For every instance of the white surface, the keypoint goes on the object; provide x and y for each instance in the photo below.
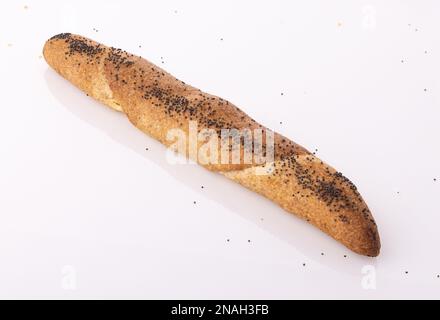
(87, 212)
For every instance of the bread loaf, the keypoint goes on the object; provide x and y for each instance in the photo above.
(156, 102)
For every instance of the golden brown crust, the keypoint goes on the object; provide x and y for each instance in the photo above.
(155, 102)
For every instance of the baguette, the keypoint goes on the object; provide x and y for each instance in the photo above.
(156, 102)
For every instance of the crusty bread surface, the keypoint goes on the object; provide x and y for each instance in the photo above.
(156, 102)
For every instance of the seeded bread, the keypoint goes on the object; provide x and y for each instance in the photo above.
(155, 102)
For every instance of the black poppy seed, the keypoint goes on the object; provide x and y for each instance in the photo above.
(82, 47)
(61, 36)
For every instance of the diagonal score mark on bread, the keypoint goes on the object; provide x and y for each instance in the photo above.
(156, 102)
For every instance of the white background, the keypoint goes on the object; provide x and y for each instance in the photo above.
(87, 212)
